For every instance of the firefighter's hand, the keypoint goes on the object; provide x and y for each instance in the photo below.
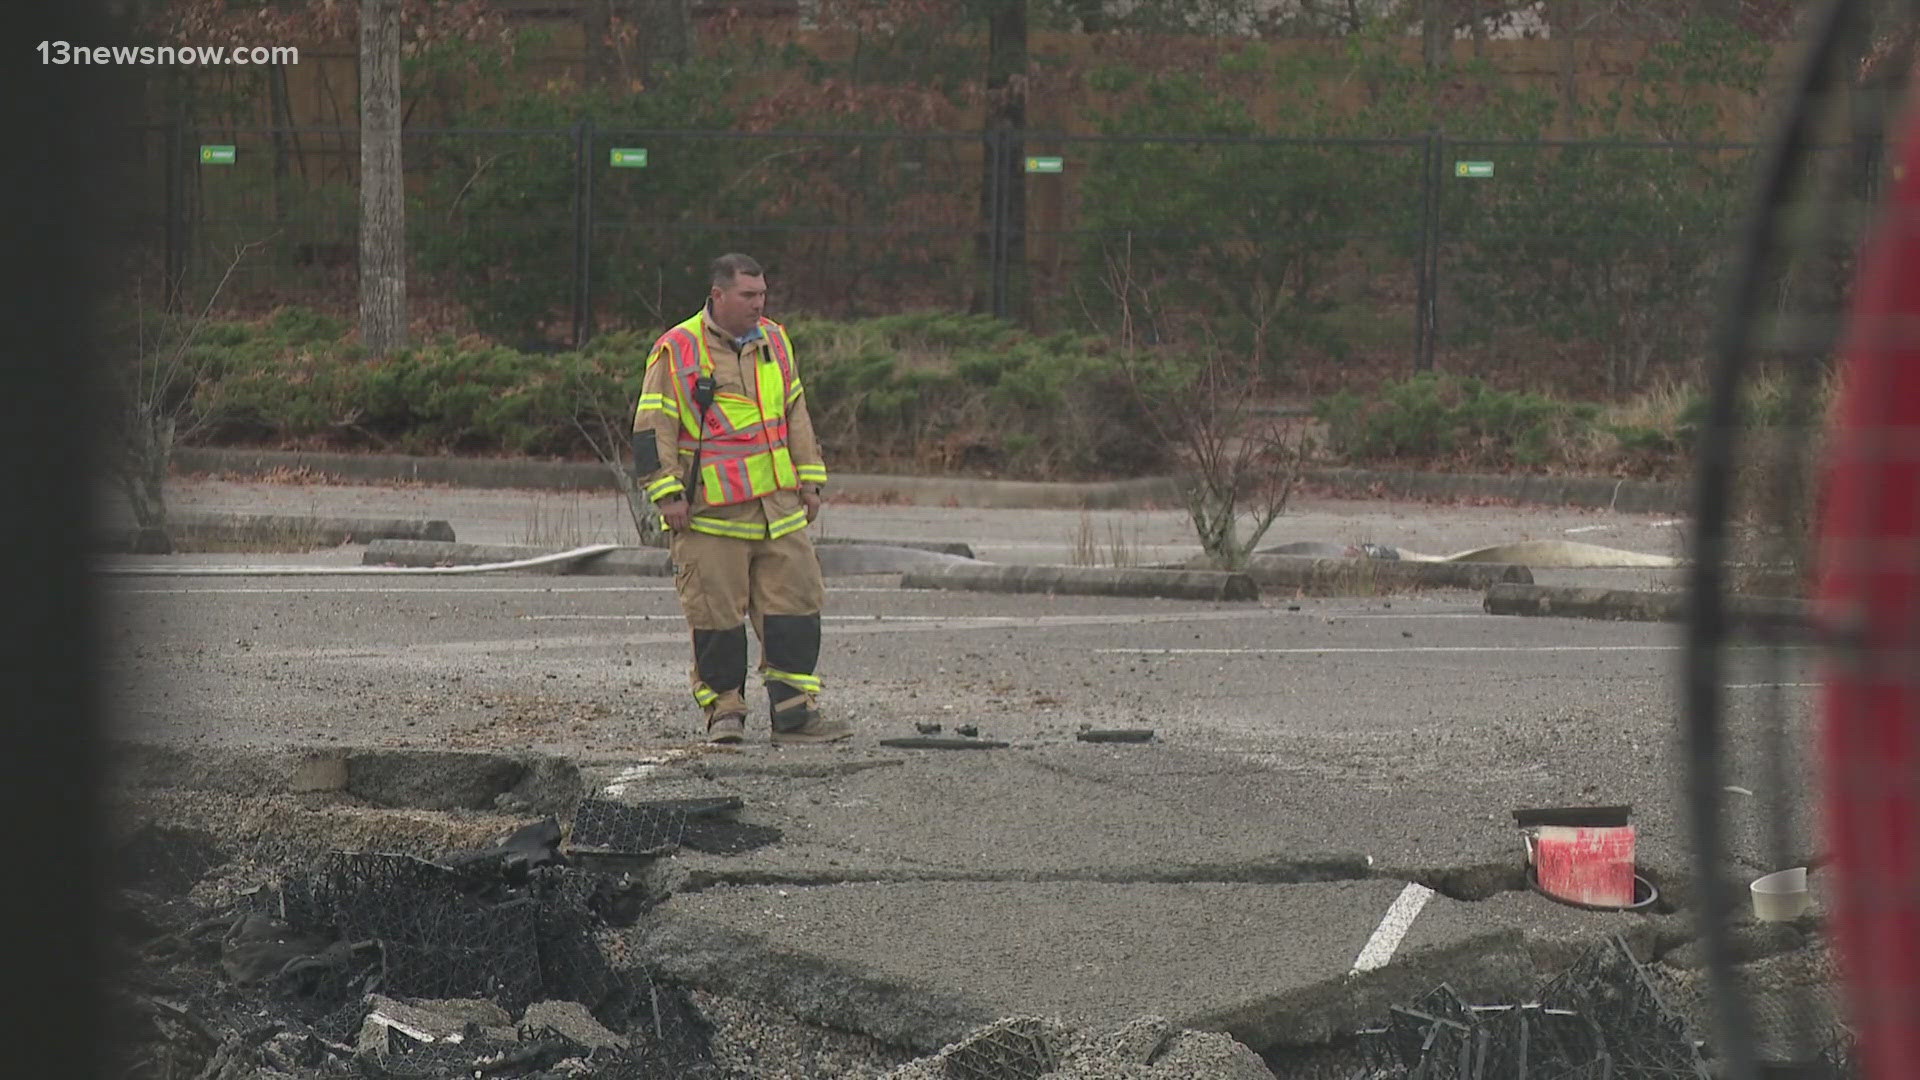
(675, 512)
(810, 498)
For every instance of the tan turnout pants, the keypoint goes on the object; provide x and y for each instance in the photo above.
(723, 583)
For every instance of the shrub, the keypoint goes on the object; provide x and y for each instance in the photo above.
(1447, 420)
(969, 393)
(928, 392)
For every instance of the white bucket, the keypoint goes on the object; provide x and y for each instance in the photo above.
(1781, 896)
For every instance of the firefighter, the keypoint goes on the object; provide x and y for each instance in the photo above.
(723, 445)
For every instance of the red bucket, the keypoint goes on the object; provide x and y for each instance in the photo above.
(1591, 865)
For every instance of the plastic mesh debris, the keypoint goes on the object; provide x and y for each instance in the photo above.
(659, 827)
(1601, 1019)
(438, 941)
(628, 828)
(1018, 1049)
(1645, 1038)
(670, 1038)
(422, 930)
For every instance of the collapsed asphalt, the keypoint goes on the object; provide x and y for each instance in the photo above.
(1311, 757)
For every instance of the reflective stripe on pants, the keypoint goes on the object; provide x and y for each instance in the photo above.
(723, 583)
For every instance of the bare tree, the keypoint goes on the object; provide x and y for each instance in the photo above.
(383, 222)
(604, 436)
(158, 404)
(1238, 464)
(603, 417)
(1201, 404)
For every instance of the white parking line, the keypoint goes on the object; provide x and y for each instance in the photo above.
(1058, 620)
(848, 618)
(1309, 650)
(449, 590)
(1393, 927)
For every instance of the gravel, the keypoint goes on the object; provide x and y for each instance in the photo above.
(1145, 1048)
(755, 1041)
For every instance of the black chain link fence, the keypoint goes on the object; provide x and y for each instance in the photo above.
(1392, 254)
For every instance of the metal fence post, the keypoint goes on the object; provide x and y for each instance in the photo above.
(170, 158)
(1423, 283)
(1013, 222)
(582, 233)
(1430, 312)
(997, 220)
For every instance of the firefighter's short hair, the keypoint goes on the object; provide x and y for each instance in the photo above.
(728, 267)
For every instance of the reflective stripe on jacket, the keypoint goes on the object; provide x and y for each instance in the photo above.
(744, 446)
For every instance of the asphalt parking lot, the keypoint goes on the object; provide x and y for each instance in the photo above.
(1292, 734)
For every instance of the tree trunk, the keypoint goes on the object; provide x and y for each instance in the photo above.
(146, 456)
(278, 107)
(1436, 34)
(383, 223)
(1565, 29)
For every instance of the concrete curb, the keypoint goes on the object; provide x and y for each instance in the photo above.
(851, 560)
(246, 528)
(1604, 493)
(1590, 492)
(1631, 605)
(836, 560)
(1087, 581)
(592, 476)
(1366, 577)
(942, 547)
(1147, 492)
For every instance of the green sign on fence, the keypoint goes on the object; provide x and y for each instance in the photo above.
(216, 155)
(1477, 169)
(629, 158)
(1044, 165)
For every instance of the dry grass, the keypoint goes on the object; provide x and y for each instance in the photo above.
(1117, 548)
(553, 527)
(1662, 406)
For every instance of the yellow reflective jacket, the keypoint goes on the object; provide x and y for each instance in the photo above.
(756, 446)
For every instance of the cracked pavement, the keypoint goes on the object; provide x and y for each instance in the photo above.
(1311, 756)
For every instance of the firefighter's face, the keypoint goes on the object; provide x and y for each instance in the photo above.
(738, 306)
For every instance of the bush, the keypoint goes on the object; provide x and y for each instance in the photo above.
(1439, 419)
(969, 393)
(926, 392)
